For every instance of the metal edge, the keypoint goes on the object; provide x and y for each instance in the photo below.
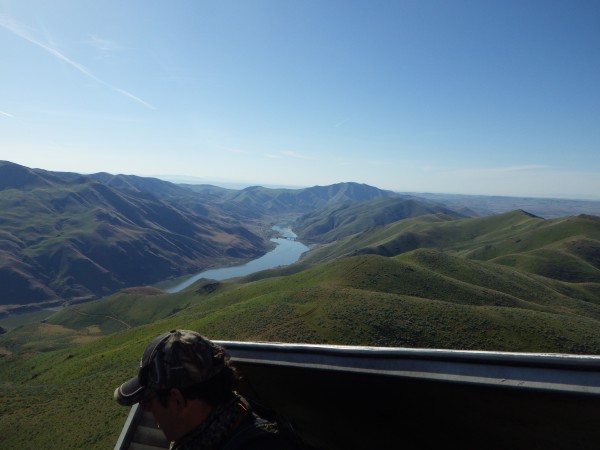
(541, 372)
(128, 430)
(578, 362)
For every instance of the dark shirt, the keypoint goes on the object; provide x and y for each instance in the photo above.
(253, 433)
(256, 434)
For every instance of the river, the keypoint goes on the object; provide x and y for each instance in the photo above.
(287, 251)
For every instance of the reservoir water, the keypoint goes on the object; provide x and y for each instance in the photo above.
(287, 251)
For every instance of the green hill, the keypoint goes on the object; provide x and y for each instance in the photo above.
(331, 223)
(467, 272)
(566, 249)
(511, 282)
(313, 304)
(56, 387)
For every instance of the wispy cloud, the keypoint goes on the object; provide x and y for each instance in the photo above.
(105, 45)
(23, 32)
(2, 113)
(133, 97)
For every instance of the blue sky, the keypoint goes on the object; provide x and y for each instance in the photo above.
(475, 97)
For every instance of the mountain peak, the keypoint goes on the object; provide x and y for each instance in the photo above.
(16, 176)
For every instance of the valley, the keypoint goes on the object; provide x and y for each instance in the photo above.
(384, 269)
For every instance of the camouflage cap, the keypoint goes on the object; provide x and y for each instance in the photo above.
(177, 359)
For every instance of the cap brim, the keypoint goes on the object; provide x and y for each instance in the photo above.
(130, 392)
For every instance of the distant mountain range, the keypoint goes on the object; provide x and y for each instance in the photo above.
(487, 205)
(66, 236)
(257, 202)
(70, 237)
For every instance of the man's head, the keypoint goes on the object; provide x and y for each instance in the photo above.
(182, 377)
(179, 359)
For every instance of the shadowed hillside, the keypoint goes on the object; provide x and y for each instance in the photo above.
(67, 236)
(334, 222)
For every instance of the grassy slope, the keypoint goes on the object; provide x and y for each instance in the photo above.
(57, 391)
(62, 398)
(375, 237)
(421, 279)
(567, 249)
(60, 379)
(334, 222)
(461, 276)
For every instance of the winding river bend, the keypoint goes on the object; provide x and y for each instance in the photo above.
(287, 251)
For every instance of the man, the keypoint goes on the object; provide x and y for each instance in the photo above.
(188, 385)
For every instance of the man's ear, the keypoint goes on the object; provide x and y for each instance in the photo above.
(177, 398)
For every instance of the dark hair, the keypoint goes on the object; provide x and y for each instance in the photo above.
(215, 391)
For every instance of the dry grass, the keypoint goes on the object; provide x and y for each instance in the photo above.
(48, 329)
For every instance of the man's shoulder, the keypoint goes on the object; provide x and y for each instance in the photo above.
(257, 434)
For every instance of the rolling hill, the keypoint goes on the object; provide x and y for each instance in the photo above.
(64, 236)
(512, 282)
(566, 249)
(334, 222)
(330, 301)
(71, 237)
(61, 373)
(443, 282)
